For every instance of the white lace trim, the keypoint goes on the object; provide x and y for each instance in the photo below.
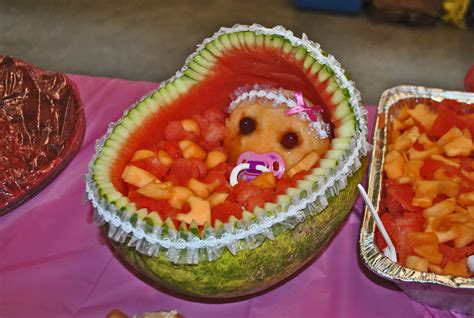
(190, 249)
(282, 97)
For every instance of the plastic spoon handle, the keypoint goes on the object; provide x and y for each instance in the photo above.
(378, 221)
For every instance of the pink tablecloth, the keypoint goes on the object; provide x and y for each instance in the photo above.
(54, 263)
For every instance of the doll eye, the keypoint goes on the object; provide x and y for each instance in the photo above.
(247, 125)
(289, 140)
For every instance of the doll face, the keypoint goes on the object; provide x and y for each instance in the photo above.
(262, 128)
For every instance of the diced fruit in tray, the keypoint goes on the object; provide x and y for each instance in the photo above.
(428, 201)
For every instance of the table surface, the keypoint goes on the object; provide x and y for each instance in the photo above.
(54, 262)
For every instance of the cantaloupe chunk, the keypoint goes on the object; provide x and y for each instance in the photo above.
(157, 191)
(191, 150)
(179, 195)
(446, 236)
(418, 238)
(406, 140)
(217, 198)
(142, 154)
(465, 235)
(417, 263)
(441, 208)
(429, 252)
(407, 123)
(404, 114)
(449, 136)
(447, 161)
(214, 158)
(190, 126)
(265, 180)
(457, 268)
(414, 154)
(165, 158)
(425, 192)
(435, 269)
(460, 146)
(394, 165)
(200, 211)
(449, 188)
(412, 169)
(425, 245)
(137, 176)
(467, 174)
(426, 142)
(201, 189)
(423, 115)
(308, 161)
(466, 199)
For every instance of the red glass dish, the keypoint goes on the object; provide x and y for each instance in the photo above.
(42, 124)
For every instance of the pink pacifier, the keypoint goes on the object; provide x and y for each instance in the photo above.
(251, 164)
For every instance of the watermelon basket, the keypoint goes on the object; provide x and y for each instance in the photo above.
(268, 244)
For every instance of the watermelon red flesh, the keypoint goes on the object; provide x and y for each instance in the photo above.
(234, 70)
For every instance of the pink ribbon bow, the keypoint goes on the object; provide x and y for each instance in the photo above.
(302, 107)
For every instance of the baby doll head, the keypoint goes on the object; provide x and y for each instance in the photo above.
(275, 121)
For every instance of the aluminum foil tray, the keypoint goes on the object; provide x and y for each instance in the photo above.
(446, 292)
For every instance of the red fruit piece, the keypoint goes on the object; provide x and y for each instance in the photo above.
(269, 195)
(430, 166)
(223, 168)
(155, 166)
(224, 210)
(389, 225)
(221, 173)
(418, 146)
(139, 164)
(404, 224)
(214, 175)
(214, 115)
(466, 163)
(401, 193)
(201, 121)
(392, 205)
(447, 118)
(199, 166)
(253, 202)
(282, 185)
(184, 169)
(161, 206)
(175, 132)
(455, 254)
(223, 188)
(214, 133)
(244, 190)
(204, 145)
(171, 148)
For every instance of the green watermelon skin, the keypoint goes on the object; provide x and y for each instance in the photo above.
(250, 271)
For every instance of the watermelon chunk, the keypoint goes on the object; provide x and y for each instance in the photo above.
(184, 169)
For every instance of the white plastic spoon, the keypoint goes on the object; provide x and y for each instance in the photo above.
(470, 263)
(389, 251)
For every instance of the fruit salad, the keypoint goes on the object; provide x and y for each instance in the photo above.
(216, 165)
(428, 187)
